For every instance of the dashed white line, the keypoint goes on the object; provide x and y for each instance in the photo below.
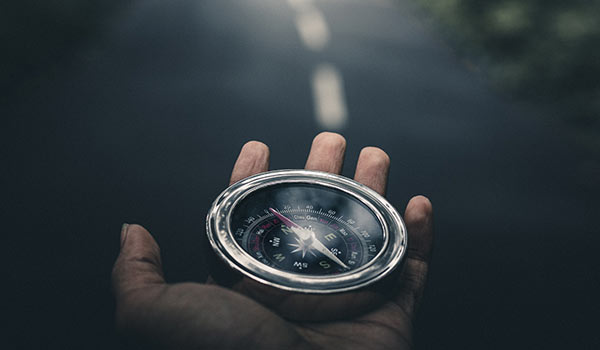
(327, 86)
(328, 94)
(311, 25)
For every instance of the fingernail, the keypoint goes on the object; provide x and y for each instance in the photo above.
(124, 230)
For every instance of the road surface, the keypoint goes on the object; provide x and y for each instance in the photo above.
(142, 123)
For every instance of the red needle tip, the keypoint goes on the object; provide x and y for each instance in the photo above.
(285, 220)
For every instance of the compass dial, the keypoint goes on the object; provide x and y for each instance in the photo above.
(306, 231)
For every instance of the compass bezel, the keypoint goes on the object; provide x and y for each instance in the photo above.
(222, 239)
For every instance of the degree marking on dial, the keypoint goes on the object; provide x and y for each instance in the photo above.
(306, 239)
(335, 221)
(321, 213)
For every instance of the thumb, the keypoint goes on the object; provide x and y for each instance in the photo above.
(138, 264)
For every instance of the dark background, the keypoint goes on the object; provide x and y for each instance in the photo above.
(135, 111)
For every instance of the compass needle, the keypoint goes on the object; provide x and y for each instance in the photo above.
(323, 249)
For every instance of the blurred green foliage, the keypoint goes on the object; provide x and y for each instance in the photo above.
(543, 50)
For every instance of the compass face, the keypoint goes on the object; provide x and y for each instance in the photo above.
(286, 226)
(306, 231)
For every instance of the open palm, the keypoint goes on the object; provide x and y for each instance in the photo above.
(207, 316)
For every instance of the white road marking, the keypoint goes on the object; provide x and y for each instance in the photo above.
(327, 85)
(311, 25)
(328, 94)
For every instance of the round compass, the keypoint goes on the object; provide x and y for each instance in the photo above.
(306, 231)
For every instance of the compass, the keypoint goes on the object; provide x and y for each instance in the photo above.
(306, 231)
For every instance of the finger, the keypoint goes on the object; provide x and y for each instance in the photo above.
(419, 222)
(327, 153)
(138, 264)
(372, 169)
(419, 225)
(253, 159)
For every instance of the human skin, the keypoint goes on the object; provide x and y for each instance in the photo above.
(208, 316)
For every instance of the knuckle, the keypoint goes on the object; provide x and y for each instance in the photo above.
(144, 259)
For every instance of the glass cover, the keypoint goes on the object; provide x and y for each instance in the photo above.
(307, 229)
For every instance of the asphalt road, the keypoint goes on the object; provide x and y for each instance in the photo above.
(142, 123)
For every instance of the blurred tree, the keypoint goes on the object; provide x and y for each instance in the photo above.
(544, 50)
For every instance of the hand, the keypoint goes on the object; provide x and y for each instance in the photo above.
(198, 316)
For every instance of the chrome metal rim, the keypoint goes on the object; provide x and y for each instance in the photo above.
(223, 241)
